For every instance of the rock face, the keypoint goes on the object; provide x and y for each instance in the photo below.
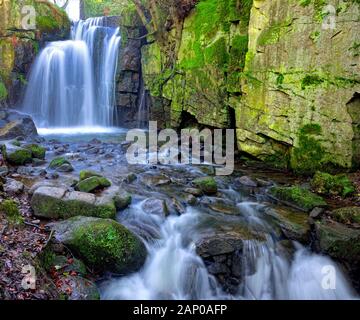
(102, 244)
(54, 203)
(14, 124)
(296, 103)
(18, 46)
(263, 67)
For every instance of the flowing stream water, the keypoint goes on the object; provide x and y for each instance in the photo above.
(72, 83)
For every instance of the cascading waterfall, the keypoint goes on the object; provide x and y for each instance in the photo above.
(72, 83)
(174, 271)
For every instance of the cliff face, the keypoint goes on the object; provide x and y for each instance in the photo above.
(293, 84)
(18, 47)
(301, 83)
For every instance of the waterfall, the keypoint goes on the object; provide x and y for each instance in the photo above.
(72, 83)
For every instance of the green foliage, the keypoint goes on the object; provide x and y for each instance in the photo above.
(97, 8)
(327, 184)
(298, 196)
(347, 215)
(46, 24)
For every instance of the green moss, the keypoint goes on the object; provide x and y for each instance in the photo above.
(17, 156)
(207, 185)
(217, 54)
(10, 209)
(347, 215)
(308, 156)
(37, 151)
(107, 245)
(300, 197)
(3, 91)
(311, 81)
(92, 184)
(84, 174)
(324, 183)
(58, 162)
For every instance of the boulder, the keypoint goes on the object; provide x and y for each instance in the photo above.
(341, 243)
(61, 164)
(298, 197)
(16, 155)
(57, 202)
(122, 200)
(37, 151)
(155, 206)
(85, 174)
(93, 183)
(103, 244)
(16, 124)
(13, 186)
(293, 224)
(155, 180)
(247, 181)
(207, 185)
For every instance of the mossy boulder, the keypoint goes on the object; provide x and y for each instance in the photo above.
(93, 183)
(327, 184)
(10, 209)
(16, 155)
(54, 203)
(37, 151)
(347, 215)
(207, 185)
(298, 197)
(122, 200)
(61, 164)
(84, 174)
(103, 244)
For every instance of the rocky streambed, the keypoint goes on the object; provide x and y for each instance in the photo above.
(94, 226)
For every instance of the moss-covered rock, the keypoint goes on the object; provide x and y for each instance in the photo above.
(122, 200)
(327, 184)
(3, 91)
(10, 209)
(37, 151)
(347, 215)
(104, 245)
(93, 183)
(298, 197)
(58, 162)
(207, 185)
(84, 174)
(16, 155)
(54, 203)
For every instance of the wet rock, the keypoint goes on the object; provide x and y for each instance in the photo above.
(222, 206)
(246, 181)
(85, 174)
(207, 185)
(155, 180)
(155, 206)
(38, 162)
(122, 200)
(347, 215)
(16, 155)
(16, 124)
(61, 164)
(293, 224)
(341, 243)
(130, 178)
(36, 150)
(13, 186)
(103, 244)
(56, 202)
(316, 213)
(92, 184)
(193, 191)
(177, 205)
(298, 197)
(191, 200)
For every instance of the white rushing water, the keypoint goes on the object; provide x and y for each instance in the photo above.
(173, 270)
(72, 83)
